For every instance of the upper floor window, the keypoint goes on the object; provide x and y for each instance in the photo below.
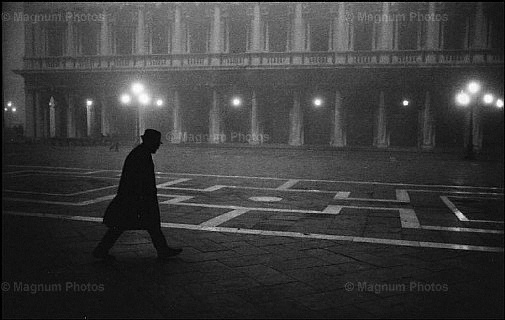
(237, 27)
(455, 29)
(88, 37)
(318, 25)
(277, 21)
(365, 25)
(55, 39)
(124, 31)
(160, 30)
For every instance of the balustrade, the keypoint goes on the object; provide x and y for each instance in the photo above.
(266, 59)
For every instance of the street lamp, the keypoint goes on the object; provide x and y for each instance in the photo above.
(137, 91)
(236, 101)
(467, 99)
(318, 102)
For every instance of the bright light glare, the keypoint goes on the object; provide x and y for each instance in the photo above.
(13, 109)
(405, 102)
(125, 98)
(159, 102)
(9, 104)
(318, 102)
(89, 103)
(144, 99)
(463, 99)
(473, 87)
(499, 103)
(137, 88)
(488, 98)
(236, 102)
(5, 109)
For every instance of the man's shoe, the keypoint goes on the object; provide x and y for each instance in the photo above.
(170, 252)
(103, 256)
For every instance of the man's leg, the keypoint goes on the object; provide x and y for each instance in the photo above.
(108, 240)
(160, 243)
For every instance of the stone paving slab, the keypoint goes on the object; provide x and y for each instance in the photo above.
(221, 275)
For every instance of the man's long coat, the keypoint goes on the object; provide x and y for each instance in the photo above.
(136, 203)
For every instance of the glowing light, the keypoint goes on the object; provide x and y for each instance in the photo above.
(13, 109)
(236, 102)
(144, 99)
(159, 102)
(405, 102)
(89, 103)
(318, 102)
(5, 109)
(499, 103)
(462, 98)
(137, 88)
(9, 104)
(125, 98)
(473, 87)
(488, 98)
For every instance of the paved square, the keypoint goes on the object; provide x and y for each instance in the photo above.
(360, 211)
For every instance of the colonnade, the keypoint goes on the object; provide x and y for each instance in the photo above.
(53, 116)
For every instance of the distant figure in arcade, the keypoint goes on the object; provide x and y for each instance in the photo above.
(135, 206)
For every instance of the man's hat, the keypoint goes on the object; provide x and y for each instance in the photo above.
(151, 135)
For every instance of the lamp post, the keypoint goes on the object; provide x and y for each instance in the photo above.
(471, 97)
(142, 98)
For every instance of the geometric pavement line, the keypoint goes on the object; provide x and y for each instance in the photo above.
(61, 194)
(407, 216)
(274, 178)
(393, 242)
(402, 195)
(460, 214)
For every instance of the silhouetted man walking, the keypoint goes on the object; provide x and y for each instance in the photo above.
(136, 203)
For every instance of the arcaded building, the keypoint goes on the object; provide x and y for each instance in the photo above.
(320, 73)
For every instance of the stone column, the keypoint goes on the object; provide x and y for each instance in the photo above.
(140, 32)
(89, 120)
(298, 29)
(428, 132)
(480, 34)
(30, 113)
(141, 118)
(339, 135)
(177, 38)
(39, 115)
(341, 29)
(255, 132)
(71, 116)
(256, 29)
(104, 35)
(381, 133)
(386, 33)
(296, 121)
(215, 119)
(70, 38)
(477, 133)
(432, 33)
(37, 40)
(105, 118)
(52, 118)
(216, 28)
(176, 117)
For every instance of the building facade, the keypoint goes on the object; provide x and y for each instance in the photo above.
(341, 74)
